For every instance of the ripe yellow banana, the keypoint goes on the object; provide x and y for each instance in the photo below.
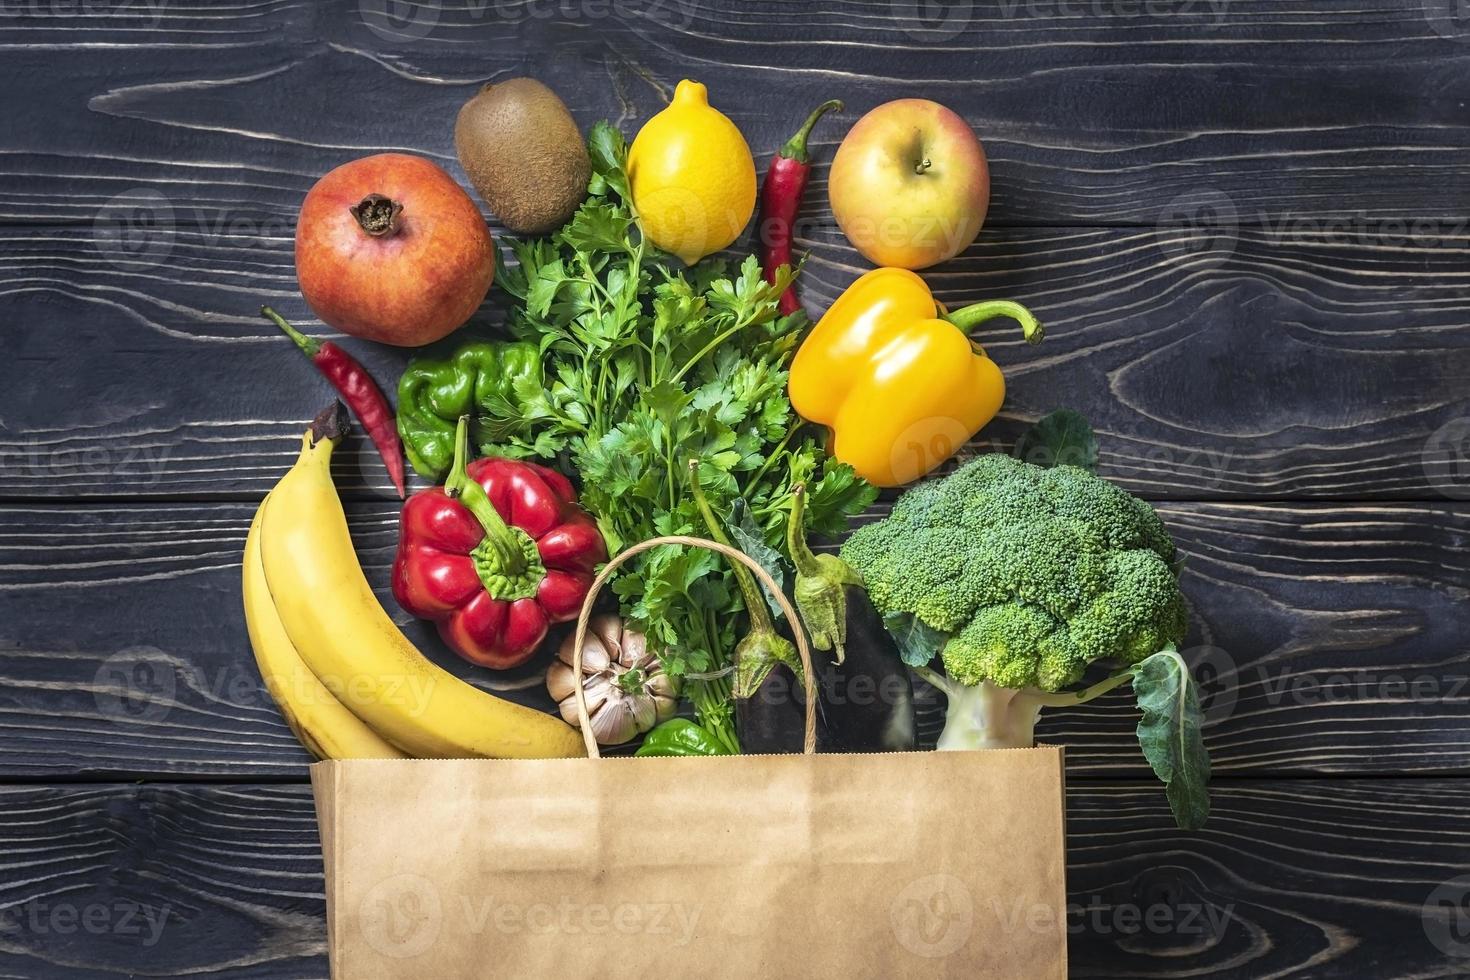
(320, 721)
(355, 649)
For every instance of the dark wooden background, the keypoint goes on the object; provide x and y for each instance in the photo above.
(1243, 222)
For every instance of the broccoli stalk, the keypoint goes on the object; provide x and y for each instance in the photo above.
(988, 716)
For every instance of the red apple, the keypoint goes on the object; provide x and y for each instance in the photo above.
(909, 185)
(390, 248)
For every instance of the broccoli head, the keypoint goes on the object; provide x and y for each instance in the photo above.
(1034, 573)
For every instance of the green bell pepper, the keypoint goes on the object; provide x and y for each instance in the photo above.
(479, 379)
(680, 736)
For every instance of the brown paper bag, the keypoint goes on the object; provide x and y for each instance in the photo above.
(918, 864)
(932, 864)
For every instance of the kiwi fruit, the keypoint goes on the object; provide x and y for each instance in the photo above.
(524, 154)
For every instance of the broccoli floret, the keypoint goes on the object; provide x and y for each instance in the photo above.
(1030, 576)
(1034, 573)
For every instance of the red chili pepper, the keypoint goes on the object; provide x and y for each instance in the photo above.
(781, 198)
(495, 556)
(361, 391)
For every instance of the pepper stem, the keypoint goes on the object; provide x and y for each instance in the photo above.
(795, 147)
(377, 215)
(309, 346)
(801, 553)
(755, 603)
(499, 537)
(972, 316)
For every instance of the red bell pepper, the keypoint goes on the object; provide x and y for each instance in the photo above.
(495, 556)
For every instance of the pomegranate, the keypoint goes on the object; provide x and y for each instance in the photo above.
(390, 248)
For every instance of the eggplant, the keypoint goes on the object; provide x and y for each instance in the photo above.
(769, 704)
(866, 694)
(864, 704)
(867, 700)
(772, 720)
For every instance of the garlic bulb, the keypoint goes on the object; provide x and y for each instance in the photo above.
(627, 690)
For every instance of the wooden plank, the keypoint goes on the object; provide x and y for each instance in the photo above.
(1319, 878)
(163, 880)
(158, 675)
(1328, 640)
(1263, 367)
(225, 881)
(1109, 112)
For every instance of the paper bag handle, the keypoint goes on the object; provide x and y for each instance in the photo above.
(584, 718)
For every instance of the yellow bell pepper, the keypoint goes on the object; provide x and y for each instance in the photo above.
(898, 382)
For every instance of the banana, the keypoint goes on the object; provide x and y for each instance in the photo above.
(350, 643)
(320, 721)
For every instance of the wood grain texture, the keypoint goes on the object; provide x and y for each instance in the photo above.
(1292, 368)
(1244, 224)
(1094, 113)
(165, 880)
(1312, 879)
(1327, 640)
(225, 881)
(1262, 331)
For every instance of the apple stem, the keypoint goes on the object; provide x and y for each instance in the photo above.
(922, 166)
(972, 316)
(377, 215)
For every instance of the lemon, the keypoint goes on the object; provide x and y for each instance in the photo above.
(692, 177)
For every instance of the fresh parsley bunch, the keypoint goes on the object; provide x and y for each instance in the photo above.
(647, 366)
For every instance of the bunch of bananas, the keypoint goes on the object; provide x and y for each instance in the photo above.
(347, 680)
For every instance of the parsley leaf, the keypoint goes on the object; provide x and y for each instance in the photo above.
(651, 365)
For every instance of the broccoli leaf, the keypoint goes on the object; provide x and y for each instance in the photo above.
(918, 642)
(1169, 734)
(1062, 438)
